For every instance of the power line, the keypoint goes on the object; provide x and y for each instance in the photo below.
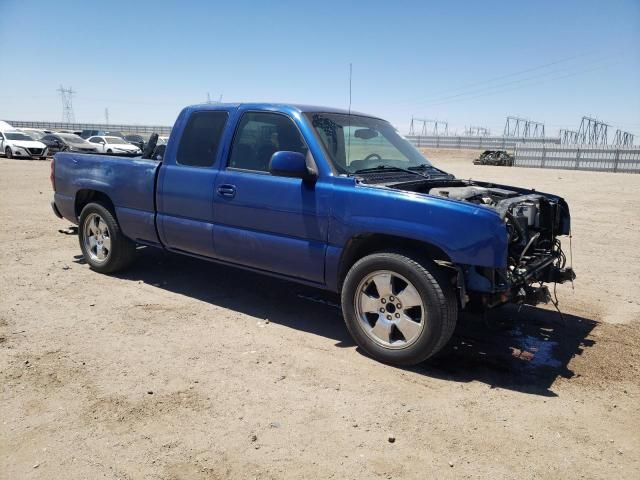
(529, 84)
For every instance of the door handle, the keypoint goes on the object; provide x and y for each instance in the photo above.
(227, 191)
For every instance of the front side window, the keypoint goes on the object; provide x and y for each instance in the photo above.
(356, 143)
(95, 140)
(259, 136)
(201, 138)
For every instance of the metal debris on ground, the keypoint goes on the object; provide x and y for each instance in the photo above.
(495, 157)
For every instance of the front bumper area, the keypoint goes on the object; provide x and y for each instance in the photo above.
(489, 287)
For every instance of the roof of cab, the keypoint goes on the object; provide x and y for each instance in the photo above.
(278, 106)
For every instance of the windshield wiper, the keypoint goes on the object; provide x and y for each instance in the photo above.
(392, 168)
(424, 166)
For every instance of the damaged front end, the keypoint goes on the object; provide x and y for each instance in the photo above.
(534, 221)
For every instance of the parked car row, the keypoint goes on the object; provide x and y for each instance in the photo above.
(39, 143)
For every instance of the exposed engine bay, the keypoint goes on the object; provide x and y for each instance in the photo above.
(535, 256)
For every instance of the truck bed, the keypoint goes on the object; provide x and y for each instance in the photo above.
(128, 182)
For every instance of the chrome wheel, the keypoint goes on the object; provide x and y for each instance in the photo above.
(96, 238)
(390, 309)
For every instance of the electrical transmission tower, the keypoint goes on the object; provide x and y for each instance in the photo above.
(66, 94)
(477, 132)
(592, 131)
(568, 136)
(522, 127)
(209, 101)
(624, 139)
(425, 127)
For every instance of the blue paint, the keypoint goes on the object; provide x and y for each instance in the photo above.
(285, 226)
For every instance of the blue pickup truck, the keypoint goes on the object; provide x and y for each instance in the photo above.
(329, 198)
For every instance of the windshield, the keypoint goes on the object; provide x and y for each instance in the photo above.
(116, 140)
(355, 143)
(72, 138)
(17, 136)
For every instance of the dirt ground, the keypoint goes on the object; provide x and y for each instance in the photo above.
(181, 369)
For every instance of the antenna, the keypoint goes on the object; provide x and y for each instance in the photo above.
(349, 115)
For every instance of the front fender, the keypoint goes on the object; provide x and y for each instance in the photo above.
(468, 234)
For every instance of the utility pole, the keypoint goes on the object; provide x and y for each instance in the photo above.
(66, 94)
(106, 116)
(477, 132)
(592, 131)
(624, 139)
(522, 127)
(568, 136)
(426, 127)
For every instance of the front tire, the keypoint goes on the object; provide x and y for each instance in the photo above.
(8, 153)
(398, 310)
(103, 245)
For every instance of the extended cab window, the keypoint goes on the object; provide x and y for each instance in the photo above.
(259, 136)
(201, 138)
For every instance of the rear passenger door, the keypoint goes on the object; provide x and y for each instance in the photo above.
(266, 222)
(186, 186)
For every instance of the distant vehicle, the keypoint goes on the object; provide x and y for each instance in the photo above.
(135, 139)
(100, 133)
(498, 158)
(5, 126)
(109, 144)
(68, 142)
(90, 133)
(14, 143)
(277, 189)
(34, 133)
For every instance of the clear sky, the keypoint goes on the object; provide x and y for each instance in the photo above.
(471, 63)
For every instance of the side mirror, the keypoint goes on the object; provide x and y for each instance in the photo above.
(291, 164)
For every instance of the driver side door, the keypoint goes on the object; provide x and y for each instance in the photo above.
(271, 223)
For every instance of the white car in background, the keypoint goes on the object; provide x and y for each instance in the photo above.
(16, 144)
(107, 144)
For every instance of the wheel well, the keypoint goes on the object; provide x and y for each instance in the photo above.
(84, 197)
(363, 245)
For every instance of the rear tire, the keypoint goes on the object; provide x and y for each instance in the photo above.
(103, 245)
(398, 310)
(8, 153)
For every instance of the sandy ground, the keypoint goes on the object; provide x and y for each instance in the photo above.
(183, 369)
